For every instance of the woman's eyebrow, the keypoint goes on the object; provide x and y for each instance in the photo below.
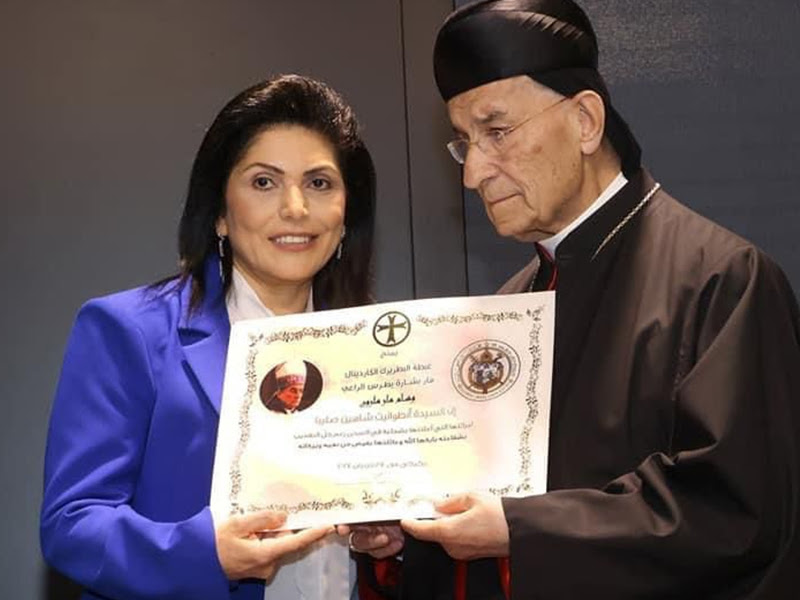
(320, 169)
(266, 166)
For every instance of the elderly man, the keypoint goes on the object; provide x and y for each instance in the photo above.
(290, 382)
(674, 464)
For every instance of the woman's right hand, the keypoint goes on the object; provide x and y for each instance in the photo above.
(246, 549)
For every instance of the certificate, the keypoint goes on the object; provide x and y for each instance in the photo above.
(372, 413)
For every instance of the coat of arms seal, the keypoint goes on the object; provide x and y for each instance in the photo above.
(485, 370)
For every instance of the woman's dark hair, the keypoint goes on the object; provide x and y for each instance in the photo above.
(283, 100)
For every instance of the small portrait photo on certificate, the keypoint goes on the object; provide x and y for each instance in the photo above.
(291, 386)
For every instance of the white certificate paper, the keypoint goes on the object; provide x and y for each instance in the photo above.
(372, 413)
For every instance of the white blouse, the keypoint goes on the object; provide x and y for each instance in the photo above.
(323, 570)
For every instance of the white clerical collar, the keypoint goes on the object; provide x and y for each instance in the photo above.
(243, 303)
(551, 243)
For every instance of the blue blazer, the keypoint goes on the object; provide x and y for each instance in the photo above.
(130, 448)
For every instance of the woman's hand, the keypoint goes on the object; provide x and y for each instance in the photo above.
(246, 549)
(379, 540)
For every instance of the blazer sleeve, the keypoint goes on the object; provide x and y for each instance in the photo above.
(98, 431)
(716, 514)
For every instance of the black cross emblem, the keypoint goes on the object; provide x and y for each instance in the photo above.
(384, 331)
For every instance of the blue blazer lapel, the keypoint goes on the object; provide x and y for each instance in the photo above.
(204, 337)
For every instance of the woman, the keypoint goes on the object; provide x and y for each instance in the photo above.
(278, 219)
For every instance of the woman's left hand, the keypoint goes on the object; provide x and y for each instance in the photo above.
(246, 549)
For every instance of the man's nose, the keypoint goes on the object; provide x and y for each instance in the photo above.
(293, 203)
(477, 167)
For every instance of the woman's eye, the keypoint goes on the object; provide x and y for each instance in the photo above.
(320, 183)
(262, 182)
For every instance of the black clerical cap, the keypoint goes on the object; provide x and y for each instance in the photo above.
(551, 41)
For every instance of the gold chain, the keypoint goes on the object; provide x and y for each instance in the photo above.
(627, 218)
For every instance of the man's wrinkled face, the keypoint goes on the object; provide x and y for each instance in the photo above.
(291, 395)
(530, 182)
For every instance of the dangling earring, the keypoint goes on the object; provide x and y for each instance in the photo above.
(221, 252)
(339, 248)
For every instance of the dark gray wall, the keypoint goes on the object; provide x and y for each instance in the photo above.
(711, 88)
(105, 101)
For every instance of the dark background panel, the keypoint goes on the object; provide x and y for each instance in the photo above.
(711, 90)
(104, 103)
(435, 188)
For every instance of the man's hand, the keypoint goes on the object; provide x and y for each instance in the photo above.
(379, 540)
(245, 549)
(474, 527)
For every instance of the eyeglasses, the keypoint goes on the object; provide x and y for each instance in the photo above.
(493, 141)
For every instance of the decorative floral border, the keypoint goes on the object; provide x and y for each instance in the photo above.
(292, 335)
(479, 316)
(532, 403)
(256, 340)
(534, 347)
(314, 505)
(396, 496)
(367, 499)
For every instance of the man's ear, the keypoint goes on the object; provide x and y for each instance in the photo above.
(592, 119)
